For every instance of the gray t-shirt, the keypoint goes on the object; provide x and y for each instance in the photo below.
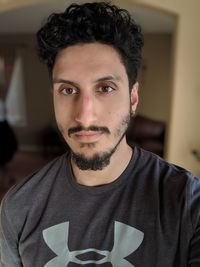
(148, 217)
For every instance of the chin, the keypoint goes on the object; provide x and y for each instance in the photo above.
(95, 162)
(87, 149)
(88, 155)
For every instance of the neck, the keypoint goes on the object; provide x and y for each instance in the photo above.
(110, 173)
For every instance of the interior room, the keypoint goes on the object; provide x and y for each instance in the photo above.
(166, 121)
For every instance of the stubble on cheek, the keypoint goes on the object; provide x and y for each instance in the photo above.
(122, 128)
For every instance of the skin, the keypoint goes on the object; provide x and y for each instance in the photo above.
(90, 88)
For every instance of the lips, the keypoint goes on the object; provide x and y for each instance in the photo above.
(87, 136)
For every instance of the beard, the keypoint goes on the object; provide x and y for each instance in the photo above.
(100, 160)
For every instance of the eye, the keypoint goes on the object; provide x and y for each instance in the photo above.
(106, 89)
(68, 90)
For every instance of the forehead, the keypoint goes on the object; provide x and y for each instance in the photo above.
(88, 59)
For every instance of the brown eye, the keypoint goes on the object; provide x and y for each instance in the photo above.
(106, 89)
(68, 91)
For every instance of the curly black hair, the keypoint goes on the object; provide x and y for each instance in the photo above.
(88, 23)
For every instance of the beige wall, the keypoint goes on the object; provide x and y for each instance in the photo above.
(184, 131)
(155, 77)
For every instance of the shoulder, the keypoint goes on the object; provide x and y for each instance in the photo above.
(174, 186)
(33, 188)
(171, 180)
(159, 168)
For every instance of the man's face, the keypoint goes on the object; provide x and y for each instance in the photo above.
(92, 100)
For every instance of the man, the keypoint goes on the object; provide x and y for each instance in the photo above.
(104, 203)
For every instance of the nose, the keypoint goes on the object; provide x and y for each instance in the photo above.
(85, 111)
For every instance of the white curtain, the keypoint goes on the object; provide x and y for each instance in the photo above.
(15, 102)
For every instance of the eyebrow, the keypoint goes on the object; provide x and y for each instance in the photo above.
(109, 78)
(105, 78)
(64, 81)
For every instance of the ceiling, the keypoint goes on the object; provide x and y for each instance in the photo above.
(28, 19)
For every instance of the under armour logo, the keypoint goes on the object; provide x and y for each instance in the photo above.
(126, 240)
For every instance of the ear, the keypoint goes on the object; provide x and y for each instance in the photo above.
(134, 97)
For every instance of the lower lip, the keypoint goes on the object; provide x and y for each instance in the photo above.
(86, 138)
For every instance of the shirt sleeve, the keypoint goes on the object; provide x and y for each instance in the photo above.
(194, 252)
(9, 254)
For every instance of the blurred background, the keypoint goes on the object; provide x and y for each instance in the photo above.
(167, 121)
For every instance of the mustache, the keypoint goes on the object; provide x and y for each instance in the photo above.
(90, 128)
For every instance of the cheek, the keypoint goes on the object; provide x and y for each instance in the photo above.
(58, 111)
(62, 114)
(115, 112)
(120, 111)
(120, 103)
